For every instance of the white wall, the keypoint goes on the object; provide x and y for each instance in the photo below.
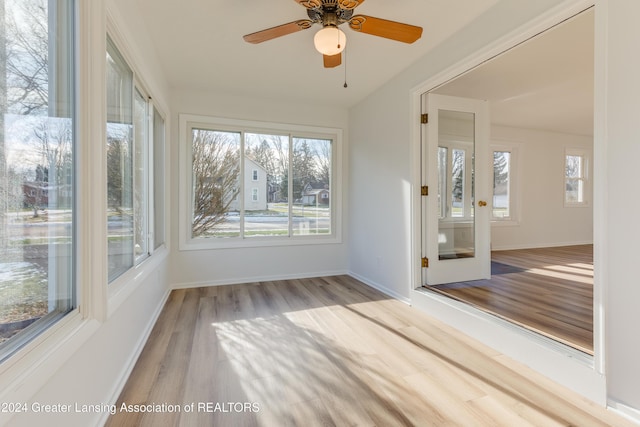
(542, 218)
(618, 146)
(226, 266)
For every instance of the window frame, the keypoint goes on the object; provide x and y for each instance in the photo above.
(187, 122)
(583, 177)
(514, 182)
(63, 305)
(148, 176)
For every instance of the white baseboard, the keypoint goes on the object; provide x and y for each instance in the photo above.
(625, 411)
(539, 245)
(121, 381)
(254, 279)
(381, 288)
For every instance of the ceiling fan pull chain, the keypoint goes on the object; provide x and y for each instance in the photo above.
(345, 67)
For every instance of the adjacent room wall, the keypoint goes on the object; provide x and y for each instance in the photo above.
(542, 219)
(189, 268)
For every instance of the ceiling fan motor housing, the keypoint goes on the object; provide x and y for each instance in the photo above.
(329, 14)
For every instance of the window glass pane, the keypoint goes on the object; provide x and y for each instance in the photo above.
(266, 210)
(216, 177)
(140, 178)
(574, 179)
(501, 184)
(311, 186)
(457, 183)
(36, 168)
(443, 152)
(119, 163)
(158, 179)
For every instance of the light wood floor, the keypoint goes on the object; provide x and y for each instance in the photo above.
(332, 352)
(548, 290)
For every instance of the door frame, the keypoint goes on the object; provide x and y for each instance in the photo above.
(584, 376)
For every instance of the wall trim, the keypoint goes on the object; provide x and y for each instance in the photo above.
(121, 380)
(381, 288)
(625, 411)
(565, 366)
(540, 245)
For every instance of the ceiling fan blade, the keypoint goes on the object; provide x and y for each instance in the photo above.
(310, 4)
(331, 61)
(383, 28)
(279, 31)
(349, 4)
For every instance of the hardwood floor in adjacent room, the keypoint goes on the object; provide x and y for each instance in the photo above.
(547, 290)
(330, 352)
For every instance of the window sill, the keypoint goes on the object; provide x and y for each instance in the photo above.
(122, 287)
(24, 373)
(213, 244)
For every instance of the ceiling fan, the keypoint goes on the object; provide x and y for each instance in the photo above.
(330, 40)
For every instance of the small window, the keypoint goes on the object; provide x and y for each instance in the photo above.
(254, 194)
(255, 175)
(575, 178)
(501, 185)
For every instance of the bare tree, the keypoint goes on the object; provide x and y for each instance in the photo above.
(27, 57)
(216, 171)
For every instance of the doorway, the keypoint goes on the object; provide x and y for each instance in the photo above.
(540, 97)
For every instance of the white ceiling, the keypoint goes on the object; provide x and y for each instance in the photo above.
(545, 83)
(200, 46)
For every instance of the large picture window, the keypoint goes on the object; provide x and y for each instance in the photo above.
(249, 185)
(37, 157)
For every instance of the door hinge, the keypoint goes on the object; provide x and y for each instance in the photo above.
(424, 119)
(424, 190)
(425, 262)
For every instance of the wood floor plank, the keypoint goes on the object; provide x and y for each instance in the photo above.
(332, 351)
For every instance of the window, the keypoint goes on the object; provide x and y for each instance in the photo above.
(501, 185)
(505, 182)
(575, 178)
(249, 185)
(37, 184)
(454, 169)
(135, 147)
(158, 179)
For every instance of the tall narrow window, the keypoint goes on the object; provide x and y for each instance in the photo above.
(131, 204)
(119, 163)
(575, 182)
(501, 185)
(140, 176)
(37, 156)
(158, 179)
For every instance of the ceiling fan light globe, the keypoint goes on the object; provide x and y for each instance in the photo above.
(330, 41)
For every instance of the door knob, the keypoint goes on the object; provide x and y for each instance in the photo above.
(482, 203)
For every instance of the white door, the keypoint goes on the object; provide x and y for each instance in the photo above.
(456, 170)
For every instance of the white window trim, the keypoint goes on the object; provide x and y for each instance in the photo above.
(515, 171)
(188, 121)
(585, 154)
